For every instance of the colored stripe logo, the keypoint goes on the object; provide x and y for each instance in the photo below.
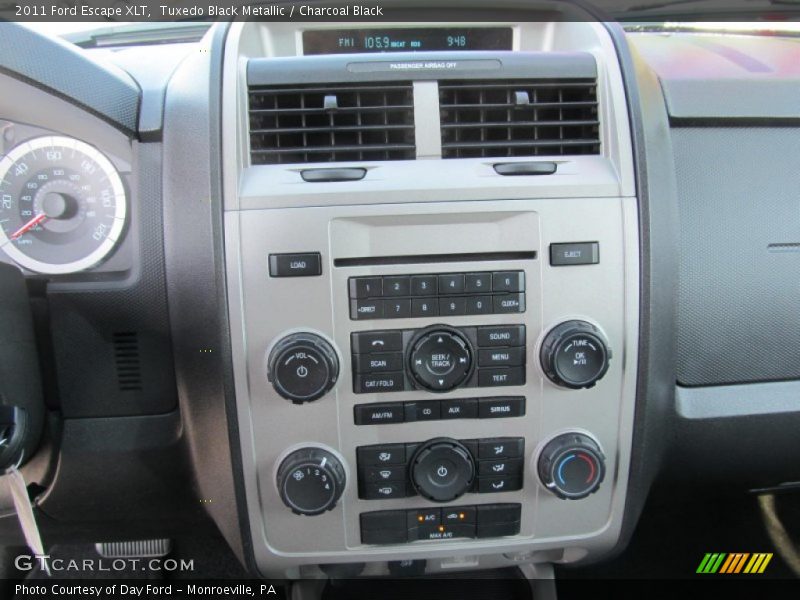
(734, 563)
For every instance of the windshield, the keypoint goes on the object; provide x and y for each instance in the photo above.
(82, 32)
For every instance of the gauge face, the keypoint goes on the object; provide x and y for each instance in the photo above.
(62, 205)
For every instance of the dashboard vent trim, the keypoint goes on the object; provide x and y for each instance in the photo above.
(331, 123)
(127, 361)
(510, 118)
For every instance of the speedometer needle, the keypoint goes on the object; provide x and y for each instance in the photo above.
(28, 226)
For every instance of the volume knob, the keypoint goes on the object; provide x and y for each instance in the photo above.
(303, 367)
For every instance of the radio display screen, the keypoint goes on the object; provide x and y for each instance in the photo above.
(357, 41)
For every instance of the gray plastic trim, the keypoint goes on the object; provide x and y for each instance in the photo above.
(738, 99)
(729, 77)
(658, 230)
(717, 402)
(429, 207)
(420, 65)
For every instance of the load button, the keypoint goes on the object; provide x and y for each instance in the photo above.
(295, 265)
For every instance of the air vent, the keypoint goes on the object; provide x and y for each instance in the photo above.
(331, 123)
(519, 118)
(126, 358)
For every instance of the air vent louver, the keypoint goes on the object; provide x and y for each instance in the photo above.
(128, 363)
(519, 118)
(331, 123)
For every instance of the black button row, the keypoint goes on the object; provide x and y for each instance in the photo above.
(488, 336)
(403, 308)
(391, 286)
(396, 454)
(372, 383)
(378, 359)
(434, 410)
(400, 526)
(383, 472)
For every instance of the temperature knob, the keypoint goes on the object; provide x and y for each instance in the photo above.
(575, 355)
(310, 481)
(572, 466)
(303, 367)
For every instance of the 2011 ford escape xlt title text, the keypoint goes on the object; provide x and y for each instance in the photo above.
(423, 301)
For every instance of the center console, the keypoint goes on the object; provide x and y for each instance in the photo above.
(434, 323)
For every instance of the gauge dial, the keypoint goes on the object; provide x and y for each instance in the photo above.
(62, 205)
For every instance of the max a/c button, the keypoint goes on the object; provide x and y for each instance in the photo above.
(295, 265)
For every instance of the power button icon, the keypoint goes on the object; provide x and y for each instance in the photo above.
(303, 367)
(442, 471)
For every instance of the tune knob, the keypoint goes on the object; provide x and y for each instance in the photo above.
(303, 367)
(575, 355)
(442, 470)
(439, 359)
(310, 481)
(572, 466)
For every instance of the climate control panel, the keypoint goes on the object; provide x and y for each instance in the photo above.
(440, 469)
(483, 415)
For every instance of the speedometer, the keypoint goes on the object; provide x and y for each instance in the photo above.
(62, 205)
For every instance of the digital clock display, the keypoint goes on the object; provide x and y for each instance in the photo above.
(356, 41)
